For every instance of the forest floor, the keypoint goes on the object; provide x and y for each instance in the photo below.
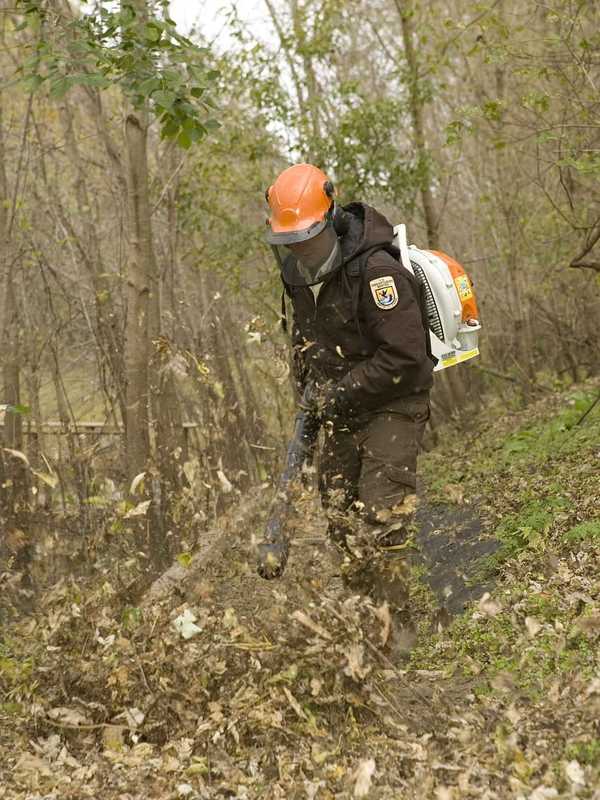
(227, 686)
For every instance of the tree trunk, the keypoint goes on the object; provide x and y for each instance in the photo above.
(137, 350)
(405, 12)
(12, 477)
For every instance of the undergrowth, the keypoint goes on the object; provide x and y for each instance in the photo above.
(538, 485)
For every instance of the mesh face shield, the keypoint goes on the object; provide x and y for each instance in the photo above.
(304, 263)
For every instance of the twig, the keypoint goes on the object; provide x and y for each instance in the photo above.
(141, 668)
(167, 184)
(591, 408)
(494, 373)
(83, 726)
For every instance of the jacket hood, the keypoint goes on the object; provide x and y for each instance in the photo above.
(367, 228)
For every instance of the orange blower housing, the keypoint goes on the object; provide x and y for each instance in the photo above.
(464, 286)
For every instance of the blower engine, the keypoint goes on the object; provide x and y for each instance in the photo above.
(451, 306)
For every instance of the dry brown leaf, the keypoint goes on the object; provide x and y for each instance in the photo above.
(33, 765)
(68, 716)
(355, 667)
(294, 704)
(589, 624)
(575, 774)
(362, 777)
(304, 619)
(454, 492)
(488, 607)
(383, 615)
(533, 625)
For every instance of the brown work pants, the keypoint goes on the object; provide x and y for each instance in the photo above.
(367, 479)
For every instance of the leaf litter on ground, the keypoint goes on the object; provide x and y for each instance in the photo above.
(289, 689)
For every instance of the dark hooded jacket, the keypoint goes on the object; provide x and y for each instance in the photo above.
(370, 348)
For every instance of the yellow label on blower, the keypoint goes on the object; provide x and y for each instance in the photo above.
(453, 357)
(463, 287)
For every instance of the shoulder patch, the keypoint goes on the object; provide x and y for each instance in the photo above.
(384, 292)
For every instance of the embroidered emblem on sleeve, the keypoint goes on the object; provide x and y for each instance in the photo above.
(384, 292)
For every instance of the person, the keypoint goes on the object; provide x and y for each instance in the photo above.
(361, 346)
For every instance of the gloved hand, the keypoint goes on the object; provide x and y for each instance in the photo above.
(335, 406)
(327, 403)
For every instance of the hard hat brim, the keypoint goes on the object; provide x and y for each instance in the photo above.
(277, 237)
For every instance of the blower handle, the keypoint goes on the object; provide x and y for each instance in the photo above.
(400, 231)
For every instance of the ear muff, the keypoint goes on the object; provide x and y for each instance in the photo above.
(329, 188)
(341, 220)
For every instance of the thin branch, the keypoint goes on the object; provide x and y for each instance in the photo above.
(592, 239)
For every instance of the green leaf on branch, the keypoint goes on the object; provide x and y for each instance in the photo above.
(164, 99)
(170, 127)
(184, 140)
(153, 32)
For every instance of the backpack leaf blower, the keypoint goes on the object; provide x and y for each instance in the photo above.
(452, 313)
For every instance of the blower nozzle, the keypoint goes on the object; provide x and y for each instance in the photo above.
(272, 553)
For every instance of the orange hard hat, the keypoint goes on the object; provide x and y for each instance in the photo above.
(300, 200)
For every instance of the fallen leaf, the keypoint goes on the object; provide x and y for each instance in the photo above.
(294, 704)
(356, 668)
(68, 716)
(533, 625)
(543, 793)
(363, 776)
(139, 511)
(383, 615)
(575, 774)
(488, 607)
(185, 625)
(226, 485)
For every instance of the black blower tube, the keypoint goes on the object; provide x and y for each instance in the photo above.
(273, 551)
